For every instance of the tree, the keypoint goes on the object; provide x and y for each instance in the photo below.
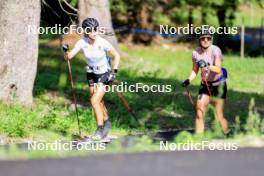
(225, 11)
(136, 15)
(99, 9)
(19, 49)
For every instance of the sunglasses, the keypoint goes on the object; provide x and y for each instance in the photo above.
(207, 38)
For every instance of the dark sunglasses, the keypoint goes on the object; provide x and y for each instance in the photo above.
(207, 38)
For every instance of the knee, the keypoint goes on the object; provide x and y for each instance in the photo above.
(219, 114)
(199, 115)
(200, 111)
(95, 102)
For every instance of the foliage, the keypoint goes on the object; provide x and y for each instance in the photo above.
(254, 123)
(176, 11)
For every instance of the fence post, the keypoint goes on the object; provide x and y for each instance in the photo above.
(242, 39)
(261, 32)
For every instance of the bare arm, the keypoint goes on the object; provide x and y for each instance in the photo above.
(69, 55)
(195, 70)
(116, 57)
(217, 67)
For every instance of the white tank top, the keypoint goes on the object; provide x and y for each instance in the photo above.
(95, 54)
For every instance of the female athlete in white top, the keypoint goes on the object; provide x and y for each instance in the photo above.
(99, 71)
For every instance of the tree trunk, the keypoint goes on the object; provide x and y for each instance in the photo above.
(19, 49)
(221, 15)
(204, 16)
(143, 21)
(100, 10)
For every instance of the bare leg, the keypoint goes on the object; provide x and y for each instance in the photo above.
(104, 110)
(219, 114)
(96, 103)
(91, 89)
(201, 105)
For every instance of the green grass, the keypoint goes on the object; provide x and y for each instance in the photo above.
(51, 117)
(245, 75)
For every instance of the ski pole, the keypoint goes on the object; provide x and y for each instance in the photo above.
(65, 48)
(190, 97)
(206, 84)
(120, 95)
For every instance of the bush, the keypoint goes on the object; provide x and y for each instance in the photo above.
(56, 121)
(15, 121)
(254, 123)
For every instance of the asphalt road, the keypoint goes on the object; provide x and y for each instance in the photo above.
(243, 162)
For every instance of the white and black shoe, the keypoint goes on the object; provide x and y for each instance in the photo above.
(99, 134)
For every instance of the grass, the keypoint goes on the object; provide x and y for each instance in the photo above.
(245, 75)
(52, 117)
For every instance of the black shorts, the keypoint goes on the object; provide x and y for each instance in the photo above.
(93, 78)
(218, 91)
